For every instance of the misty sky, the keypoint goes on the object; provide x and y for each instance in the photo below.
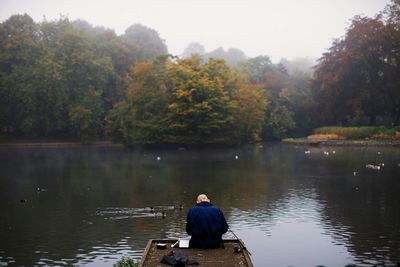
(277, 28)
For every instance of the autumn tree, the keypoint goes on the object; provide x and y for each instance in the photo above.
(392, 13)
(356, 78)
(183, 101)
(249, 112)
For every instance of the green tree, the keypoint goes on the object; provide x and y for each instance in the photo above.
(86, 117)
(60, 78)
(278, 91)
(83, 77)
(299, 94)
(279, 123)
(19, 44)
(147, 40)
(47, 71)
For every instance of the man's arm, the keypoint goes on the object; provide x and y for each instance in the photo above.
(224, 224)
(189, 224)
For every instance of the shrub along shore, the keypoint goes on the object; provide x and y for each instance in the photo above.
(350, 136)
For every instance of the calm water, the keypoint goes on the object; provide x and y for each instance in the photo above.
(86, 206)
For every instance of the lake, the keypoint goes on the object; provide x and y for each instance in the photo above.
(89, 206)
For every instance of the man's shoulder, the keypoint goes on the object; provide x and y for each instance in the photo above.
(202, 206)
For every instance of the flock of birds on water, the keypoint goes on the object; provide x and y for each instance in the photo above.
(125, 213)
(161, 213)
(371, 166)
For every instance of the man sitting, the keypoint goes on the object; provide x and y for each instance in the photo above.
(206, 224)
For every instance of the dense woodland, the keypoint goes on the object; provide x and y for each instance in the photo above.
(68, 79)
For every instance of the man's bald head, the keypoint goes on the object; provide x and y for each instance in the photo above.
(202, 198)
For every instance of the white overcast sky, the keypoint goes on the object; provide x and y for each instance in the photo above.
(277, 28)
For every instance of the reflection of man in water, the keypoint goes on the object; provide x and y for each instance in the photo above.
(206, 224)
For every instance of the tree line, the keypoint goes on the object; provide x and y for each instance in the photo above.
(60, 78)
(69, 79)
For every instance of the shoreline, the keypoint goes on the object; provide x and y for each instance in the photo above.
(56, 144)
(305, 142)
(288, 141)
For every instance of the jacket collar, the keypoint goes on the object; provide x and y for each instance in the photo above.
(204, 203)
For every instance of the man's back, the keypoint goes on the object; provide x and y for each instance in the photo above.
(206, 224)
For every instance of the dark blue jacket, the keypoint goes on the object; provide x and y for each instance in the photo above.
(206, 224)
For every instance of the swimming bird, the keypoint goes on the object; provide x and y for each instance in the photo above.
(158, 158)
(179, 207)
(373, 167)
(236, 157)
(149, 209)
(173, 207)
(162, 214)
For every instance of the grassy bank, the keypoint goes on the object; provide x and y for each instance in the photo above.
(358, 133)
(351, 136)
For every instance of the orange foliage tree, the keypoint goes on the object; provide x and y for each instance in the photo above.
(183, 101)
(357, 79)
